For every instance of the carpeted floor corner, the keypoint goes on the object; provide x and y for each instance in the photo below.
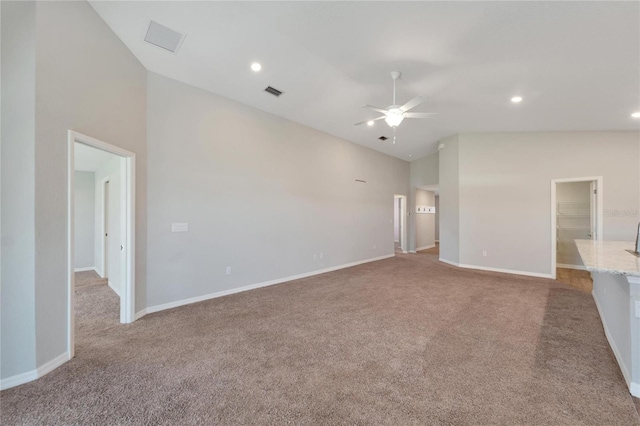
(403, 341)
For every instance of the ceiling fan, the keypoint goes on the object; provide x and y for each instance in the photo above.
(394, 114)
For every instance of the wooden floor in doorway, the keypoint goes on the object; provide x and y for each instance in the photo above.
(575, 278)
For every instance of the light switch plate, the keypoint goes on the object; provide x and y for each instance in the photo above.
(179, 227)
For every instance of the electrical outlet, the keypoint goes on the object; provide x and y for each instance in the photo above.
(321, 255)
(228, 270)
(374, 246)
(484, 253)
(315, 257)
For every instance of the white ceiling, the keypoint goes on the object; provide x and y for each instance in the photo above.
(89, 159)
(577, 64)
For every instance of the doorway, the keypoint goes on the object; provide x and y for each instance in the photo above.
(400, 223)
(121, 186)
(576, 213)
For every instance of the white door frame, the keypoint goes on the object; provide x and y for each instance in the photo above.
(403, 220)
(599, 213)
(104, 228)
(127, 299)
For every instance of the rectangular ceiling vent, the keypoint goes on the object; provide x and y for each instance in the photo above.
(164, 37)
(383, 138)
(273, 91)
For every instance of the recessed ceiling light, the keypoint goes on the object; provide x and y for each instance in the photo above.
(256, 66)
(636, 114)
(516, 99)
(370, 123)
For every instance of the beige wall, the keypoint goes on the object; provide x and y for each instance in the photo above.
(17, 299)
(449, 184)
(505, 192)
(425, 222)
(261, 194)
(87, 81)
(423, 172)
(84, 218)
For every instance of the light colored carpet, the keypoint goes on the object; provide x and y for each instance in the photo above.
(403, 341)
(88, 279)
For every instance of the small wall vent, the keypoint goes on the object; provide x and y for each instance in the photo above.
(383, 138)
(163, 37)
(273, 91)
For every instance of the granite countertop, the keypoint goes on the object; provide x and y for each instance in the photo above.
(609, 256)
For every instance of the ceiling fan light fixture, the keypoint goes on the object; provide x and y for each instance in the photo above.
(394, 117)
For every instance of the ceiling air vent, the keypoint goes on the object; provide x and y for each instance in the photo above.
(273, 91)
(163, 37)
(383, 138)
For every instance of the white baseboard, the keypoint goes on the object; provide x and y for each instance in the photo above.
(196, 299)
(634, 388)
(140, 314)
(578, 267)
(114, 289)
(29, 376)
(500, 270)
(448, 262)
(99, 272)
(425, 247)
(88, 268)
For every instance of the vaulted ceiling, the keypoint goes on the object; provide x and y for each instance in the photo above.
(576, 64)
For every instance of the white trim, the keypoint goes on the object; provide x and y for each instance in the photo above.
(18, 379)
(578, 267)
(425, 247)
(32, 375)
(140, 314)
(113, 288)
(448, 262)
(127, 299)
(403, 221)
(499, 270)
(103, 228)
(85, 269)
(634, 388)
(505, 271)
(599, 214)
(196, 299)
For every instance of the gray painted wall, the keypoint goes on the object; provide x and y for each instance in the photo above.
(261, 194)
(84, 218)
(423, 172)
(425, 222)
(88, 81)
(17, 299)
(449, 200)
(437, 217)
(426, 170)
(505, 191)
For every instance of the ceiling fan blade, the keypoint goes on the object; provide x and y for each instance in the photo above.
(413, 103)
(419, 114)
(381, 110)
(373, 119)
